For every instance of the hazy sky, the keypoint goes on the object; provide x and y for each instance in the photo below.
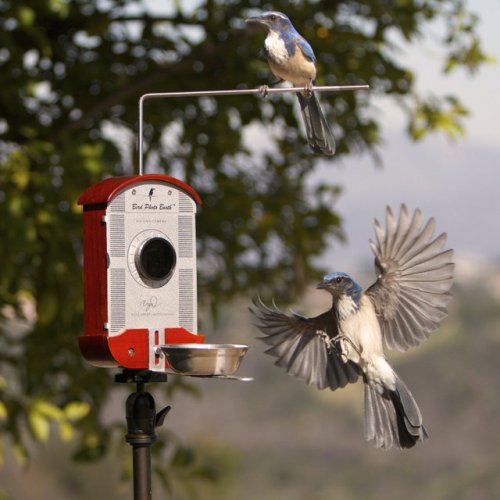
(457, 182)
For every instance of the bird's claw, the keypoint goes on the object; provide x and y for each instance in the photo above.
(309, 89)
(264, 90)
(330, 343)
(346, 346)
(341, 344)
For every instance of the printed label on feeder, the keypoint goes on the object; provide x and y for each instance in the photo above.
(151, 206)
(146, 198)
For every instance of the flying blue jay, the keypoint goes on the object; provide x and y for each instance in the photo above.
(292, 59)
(403, 306)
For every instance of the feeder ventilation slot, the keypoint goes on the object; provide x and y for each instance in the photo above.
(186, 230)
(186, 296)
(117, 235)
(185, 203)
(118, 203)
(117, 300)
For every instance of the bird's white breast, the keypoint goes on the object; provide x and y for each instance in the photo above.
(276, 48)
(295, 67)
(364, 345)
(346, 307)
(361, 326)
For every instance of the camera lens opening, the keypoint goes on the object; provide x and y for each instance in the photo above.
(156, 259)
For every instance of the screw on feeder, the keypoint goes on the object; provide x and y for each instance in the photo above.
(263, 90)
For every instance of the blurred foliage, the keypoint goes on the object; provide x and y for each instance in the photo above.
(431, 115)
(72, 72)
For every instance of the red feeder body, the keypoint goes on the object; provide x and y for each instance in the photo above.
(139, 250)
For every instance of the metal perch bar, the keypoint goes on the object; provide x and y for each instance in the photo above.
(263, 90)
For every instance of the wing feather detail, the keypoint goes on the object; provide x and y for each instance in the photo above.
(301, 347)
(415, 274)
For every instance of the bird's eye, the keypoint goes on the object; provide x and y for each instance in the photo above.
(272, 17)
(338, 279)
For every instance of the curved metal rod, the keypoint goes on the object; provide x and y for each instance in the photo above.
(264, 90)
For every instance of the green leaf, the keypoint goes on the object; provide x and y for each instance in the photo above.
(60, 7)
(3, 412)
(49, 410)
(26, 16)
(92, 156)
(76, 410)
(39, 425)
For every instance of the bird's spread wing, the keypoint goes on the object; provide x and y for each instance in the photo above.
(415, 274)
(302, 347)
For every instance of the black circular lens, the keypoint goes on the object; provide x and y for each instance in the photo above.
(157, 259)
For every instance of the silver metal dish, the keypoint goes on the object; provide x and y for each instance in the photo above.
(204, 360)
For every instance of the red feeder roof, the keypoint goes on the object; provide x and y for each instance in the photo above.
(105, 190)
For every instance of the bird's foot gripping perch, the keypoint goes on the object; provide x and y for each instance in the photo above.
(309, 88)
(264, 90)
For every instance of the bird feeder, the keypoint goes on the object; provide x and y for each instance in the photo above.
(139, 254)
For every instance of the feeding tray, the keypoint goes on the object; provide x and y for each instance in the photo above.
(204, 360)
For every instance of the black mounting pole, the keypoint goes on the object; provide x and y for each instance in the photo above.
(142, 421)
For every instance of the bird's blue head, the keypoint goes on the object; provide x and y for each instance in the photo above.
(272, 21)
(338, 284)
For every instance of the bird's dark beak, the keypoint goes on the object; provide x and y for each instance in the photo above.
(259, 21)
(322, 285)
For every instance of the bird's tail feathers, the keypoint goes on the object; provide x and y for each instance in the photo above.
(318, 131)
(392, 417)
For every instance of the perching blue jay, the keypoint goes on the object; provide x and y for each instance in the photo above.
(292, 59)
(404, 305)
